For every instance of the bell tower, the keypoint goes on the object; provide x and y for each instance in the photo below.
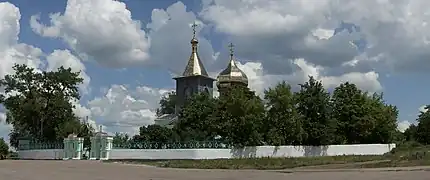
(194, 79)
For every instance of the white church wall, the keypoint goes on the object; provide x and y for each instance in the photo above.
(46, 154)
(259, 151)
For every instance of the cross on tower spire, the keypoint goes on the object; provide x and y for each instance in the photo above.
(231, 46)
(194, 29)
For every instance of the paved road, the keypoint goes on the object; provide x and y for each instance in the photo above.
(89, 170)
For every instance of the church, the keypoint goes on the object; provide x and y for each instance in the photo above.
(195, 79)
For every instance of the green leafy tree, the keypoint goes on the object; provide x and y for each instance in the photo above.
(385, 119)
(313, 104)
(156, 134)
(38, 104)
(195, 122)
(283, 124)
(4, 149)
(410, 133)
(352, 112)
(120, 139)
(423, 127)
(81, 129)
(167, 104)
(86, 131)
(239, 116)
(398, 137)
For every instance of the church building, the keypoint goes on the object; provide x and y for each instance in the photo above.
(195, 79)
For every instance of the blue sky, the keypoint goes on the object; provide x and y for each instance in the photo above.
(129, 50)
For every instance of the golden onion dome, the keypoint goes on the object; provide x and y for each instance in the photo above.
(232, 74)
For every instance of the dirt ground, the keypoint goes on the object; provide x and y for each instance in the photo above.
(91, 170)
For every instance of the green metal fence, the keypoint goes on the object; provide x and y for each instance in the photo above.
(172, 145)
(35, 145)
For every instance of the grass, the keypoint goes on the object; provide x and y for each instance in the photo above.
(264, 163)
(256, 163)
(403, 155)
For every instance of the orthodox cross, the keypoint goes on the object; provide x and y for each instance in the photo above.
(194, 29)
(231, 46)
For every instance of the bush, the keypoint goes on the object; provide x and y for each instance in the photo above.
(4, 149)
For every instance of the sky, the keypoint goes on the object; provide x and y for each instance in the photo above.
(128, 51)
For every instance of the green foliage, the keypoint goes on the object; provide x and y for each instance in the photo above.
(152, 134)
(423, 128)
(385, 120)
(39, 104)
(311, 116)
(261, 163)
(420, 133)
(4, 148)
(410, 133)
(167, 104)
(281, 110)
(156, 133)
(81, 129)
(313, 104)
(363, 118)
(196, 122)
(120, 139)
(351, 112)
(240, 118)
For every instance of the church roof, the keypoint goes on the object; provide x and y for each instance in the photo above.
(232, 73)
(194, 66)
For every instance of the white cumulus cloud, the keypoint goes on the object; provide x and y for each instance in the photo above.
(403, 125)
(98, 30)
(259, 81)
(124, 109)
(66, 59)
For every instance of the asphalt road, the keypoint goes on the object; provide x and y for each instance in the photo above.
(90, 170)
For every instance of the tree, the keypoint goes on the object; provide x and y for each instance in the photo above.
(385, 119)
(283, 124)
(81, 129)
(423, 128)
(156, 134)
(410, 133)
(120, 139)
(313, 104)
(4, 149)
(363, 118)
(39, 104)
(167, 104)
(352, 112)
(195, 122)
(239, 117)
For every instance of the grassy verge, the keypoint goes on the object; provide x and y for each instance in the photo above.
(256, 163)
(399, 157)
(395, 163)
